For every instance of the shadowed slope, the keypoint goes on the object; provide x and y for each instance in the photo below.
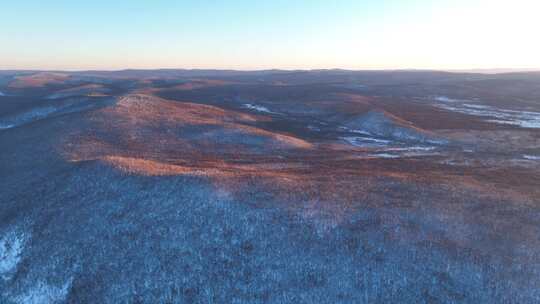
(84, 90)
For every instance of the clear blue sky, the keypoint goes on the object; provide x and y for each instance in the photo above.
(356, 34)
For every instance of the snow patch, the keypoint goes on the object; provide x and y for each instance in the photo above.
(532, 157)
(11, 247)
(257, 108)
(475, 106)
(411, 149)
(523, 119)
(365, 141)
(390, 152)
(2, 94)
(384, 155)
(405, 152)
(385, 125)
(29, 116)
(44, 293)
(417, 154)
(38, 113)
(365, 133)
(6, 126)
(523, 124)
(445, 99)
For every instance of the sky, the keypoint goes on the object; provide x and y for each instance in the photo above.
(281, 34)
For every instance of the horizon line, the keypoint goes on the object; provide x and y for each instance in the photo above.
(464, 70)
